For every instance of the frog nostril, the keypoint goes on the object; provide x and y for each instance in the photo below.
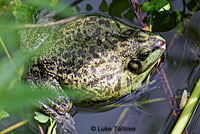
(159, 45)
(162, 45)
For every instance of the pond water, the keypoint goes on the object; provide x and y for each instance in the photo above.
(182, 55)
(181, 67)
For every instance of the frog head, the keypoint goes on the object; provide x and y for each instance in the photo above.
(141, 51)
(149, 49)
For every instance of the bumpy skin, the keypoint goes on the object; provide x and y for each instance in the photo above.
(90, 58)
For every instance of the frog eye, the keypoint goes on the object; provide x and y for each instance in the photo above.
(135, 66)
(141, 36)
(128, 32)
(144, 53)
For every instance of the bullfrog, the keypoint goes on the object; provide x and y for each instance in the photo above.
(95, 58)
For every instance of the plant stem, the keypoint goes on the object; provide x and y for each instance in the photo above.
(188, 110)
(9, 57)
(14, 127)
(150, 21)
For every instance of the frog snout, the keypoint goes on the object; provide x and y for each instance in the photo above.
(160, 44)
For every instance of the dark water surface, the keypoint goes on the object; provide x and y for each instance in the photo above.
(182, 55)
(181, 67)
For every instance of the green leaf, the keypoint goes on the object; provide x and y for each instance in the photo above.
(193, 5)
(22, 95)
(103, 7)
(89, 7)
(41, 117)
(154, 5)
(61, 8)
(3, 114)
(146, 7)
(78, 10)
(158, 4)
(21, 12)
(165, 8)
(119, 12)
(163, 22)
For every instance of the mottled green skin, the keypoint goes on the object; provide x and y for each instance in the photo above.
(90, 56)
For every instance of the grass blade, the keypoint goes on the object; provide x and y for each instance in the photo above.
(188, 110)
